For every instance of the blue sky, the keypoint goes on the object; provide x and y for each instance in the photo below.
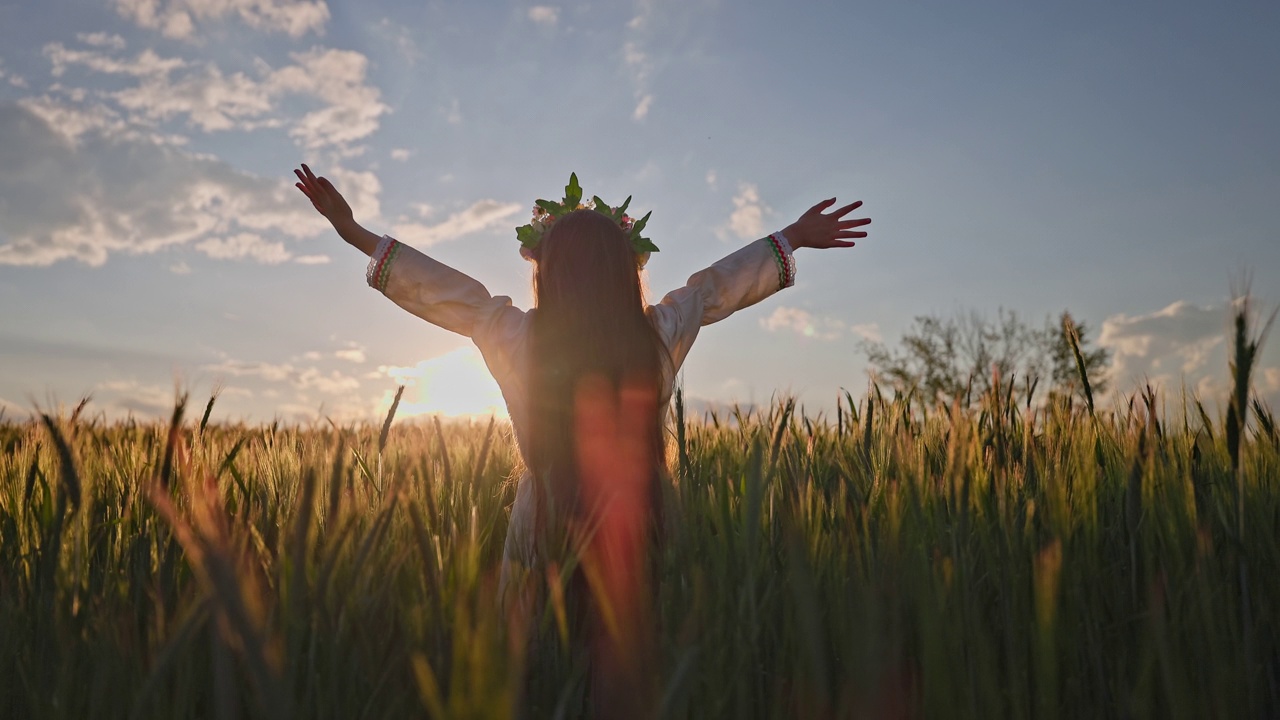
(1121, 162)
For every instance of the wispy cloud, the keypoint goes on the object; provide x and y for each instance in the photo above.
(353, 352)
(636, 59)
(64, 171)
(344, 107)
(123, 397)
(145, 64)
(333, 382)
(804, 323)
(544, 14)
(454, 113)
(10, 77)
(245, 246)
(337, 77)
(482, 215)
(102, 39)
(178, 18)
(1181, 344)
(10, 410)
(746, 222)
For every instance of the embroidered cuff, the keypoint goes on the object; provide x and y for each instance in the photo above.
(380, 263)
(783, 255)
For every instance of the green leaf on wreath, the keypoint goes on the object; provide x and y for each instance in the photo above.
(635, 229)
(527, 236)
(644, 244)
(554, 208)
(572, 192)
(602, 207)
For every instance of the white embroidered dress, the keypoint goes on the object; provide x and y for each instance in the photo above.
(445, 297)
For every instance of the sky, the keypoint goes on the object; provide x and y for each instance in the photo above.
(1119, 160)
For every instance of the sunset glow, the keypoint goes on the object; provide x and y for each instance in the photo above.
(456, 384)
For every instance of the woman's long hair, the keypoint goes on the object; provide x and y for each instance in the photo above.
(598, 457)
(590, 338)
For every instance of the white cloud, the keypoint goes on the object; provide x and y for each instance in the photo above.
(867, 331)
(333, 382)
(638, 65)
(244, 246)
(454, 114)
(12, 78)
(400, 36)
(79, 188)
(1180, 344)
(747, 219)
(642, 107)
(644, 8)
(544, 14)
(480, 216)
(1160, 344)
(101, 39)
(266, 371)
(145, 64)
(124, 397)
(177, 18)
(180, 268)
(711, 179)
(12, 411)
(168, 89)
(336, 77)
(69, 121)
(351, 353)
(209, 100)
(312, 259)
(401, 154)
(802, 322)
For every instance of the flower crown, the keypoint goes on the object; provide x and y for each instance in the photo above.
(546, 212)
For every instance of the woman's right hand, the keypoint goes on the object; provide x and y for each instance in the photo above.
(816, 230)
(324, 197)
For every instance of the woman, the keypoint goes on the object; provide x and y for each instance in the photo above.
(586, 375)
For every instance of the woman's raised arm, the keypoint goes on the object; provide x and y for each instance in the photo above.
(426, 287)
(749, 275)
(327, 201)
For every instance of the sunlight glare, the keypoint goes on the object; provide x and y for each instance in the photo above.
(456, 384)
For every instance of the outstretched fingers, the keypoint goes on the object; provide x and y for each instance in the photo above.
(317, 190)
(305, 184)
(846, 209)
(822, 206)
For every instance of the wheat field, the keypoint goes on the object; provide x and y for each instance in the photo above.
(1020, 560)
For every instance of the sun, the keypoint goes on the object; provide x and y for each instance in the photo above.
(456, 384)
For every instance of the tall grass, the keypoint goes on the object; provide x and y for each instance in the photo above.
(904, 561)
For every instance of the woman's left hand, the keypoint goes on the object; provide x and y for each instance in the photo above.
(815, 229)
(323, 196)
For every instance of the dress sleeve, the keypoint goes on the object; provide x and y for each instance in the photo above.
(740, 280)
(452, 300)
